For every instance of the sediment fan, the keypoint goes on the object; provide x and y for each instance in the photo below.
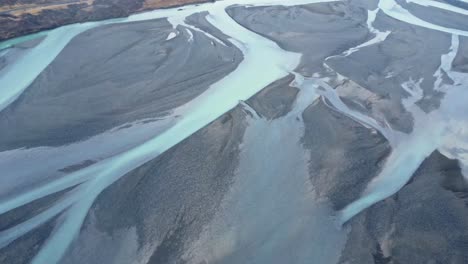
(263, 63)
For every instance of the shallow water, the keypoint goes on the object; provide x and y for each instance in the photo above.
(272, 199)
(272, 206)
(393, 9)
(218, 99)
(442, 130)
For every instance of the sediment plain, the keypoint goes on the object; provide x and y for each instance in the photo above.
(242, 131)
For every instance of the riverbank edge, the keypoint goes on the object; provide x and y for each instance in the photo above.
(28, 31)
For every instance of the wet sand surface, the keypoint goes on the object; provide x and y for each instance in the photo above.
(335, 28)
(26, 247)
(139, 73)
(359, 151)
(276, 179)
(126, 79)
(440, 17)
(425, 222)
(364, 67)
(152, 212)
(461, 60)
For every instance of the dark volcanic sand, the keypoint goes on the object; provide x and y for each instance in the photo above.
(125, 72)
(171, 198)
(156, 212)
(425, 222)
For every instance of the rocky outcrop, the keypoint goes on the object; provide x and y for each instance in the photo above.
(22, 17)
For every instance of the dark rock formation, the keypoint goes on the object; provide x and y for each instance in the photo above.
(22, 17)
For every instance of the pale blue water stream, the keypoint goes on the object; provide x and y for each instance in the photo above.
(264, 62)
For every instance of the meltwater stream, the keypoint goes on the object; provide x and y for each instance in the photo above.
(271, 213)
(219, 98)
(264, 62)
(442, 129)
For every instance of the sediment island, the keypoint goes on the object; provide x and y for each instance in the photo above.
(235, 132)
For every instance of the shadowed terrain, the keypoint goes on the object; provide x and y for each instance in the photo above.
(20, 17)
(235, 132)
